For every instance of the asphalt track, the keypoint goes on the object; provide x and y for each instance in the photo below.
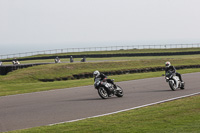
(49, 107)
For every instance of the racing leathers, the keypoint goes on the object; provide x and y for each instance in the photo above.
(103, 77)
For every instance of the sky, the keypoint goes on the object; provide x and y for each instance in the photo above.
(30, 25)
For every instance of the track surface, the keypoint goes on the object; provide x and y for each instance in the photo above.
(43, 108)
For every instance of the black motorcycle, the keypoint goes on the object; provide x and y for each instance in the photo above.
(106, 89)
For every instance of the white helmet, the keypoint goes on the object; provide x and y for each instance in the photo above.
(167, 64)
(96, 73)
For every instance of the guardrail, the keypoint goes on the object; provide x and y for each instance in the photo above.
(110, 48)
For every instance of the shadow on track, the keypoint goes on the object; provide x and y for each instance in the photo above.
(94, 99)
(87, 99)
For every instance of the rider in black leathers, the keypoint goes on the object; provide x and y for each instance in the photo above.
(103, 77)
(169, 67)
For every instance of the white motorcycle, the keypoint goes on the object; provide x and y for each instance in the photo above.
(57, 60)
(15, 62)
(174, 81)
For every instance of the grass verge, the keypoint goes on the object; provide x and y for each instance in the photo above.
(179, 116)
(67, 70)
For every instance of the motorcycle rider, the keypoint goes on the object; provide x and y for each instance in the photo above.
(57, 60)
(71, 59)
(103, 77)
(15, 61)
(169, 67)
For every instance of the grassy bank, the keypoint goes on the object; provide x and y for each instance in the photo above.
(53, 71)
(27, 80)
(106, 59)
(179, 116)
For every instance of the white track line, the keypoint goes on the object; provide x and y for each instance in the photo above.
(128, 109)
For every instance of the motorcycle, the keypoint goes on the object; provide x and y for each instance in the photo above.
(57, 60)
(106, 89)
(16, 62)
(174, 81)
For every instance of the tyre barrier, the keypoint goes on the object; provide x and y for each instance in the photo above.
(118, 72)
(9, 68)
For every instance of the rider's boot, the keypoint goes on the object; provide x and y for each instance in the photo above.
(109, 94)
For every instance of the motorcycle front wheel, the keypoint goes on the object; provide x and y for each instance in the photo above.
(119, 91)
(103, 93)
(172, 85)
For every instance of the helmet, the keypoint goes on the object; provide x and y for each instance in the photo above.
(96, 73)
(167, 64)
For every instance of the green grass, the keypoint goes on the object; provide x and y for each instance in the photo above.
(54, 71)
(179, 116)
(138, 58)
(27, 80)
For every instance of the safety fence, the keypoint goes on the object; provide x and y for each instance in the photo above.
(110, 48)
